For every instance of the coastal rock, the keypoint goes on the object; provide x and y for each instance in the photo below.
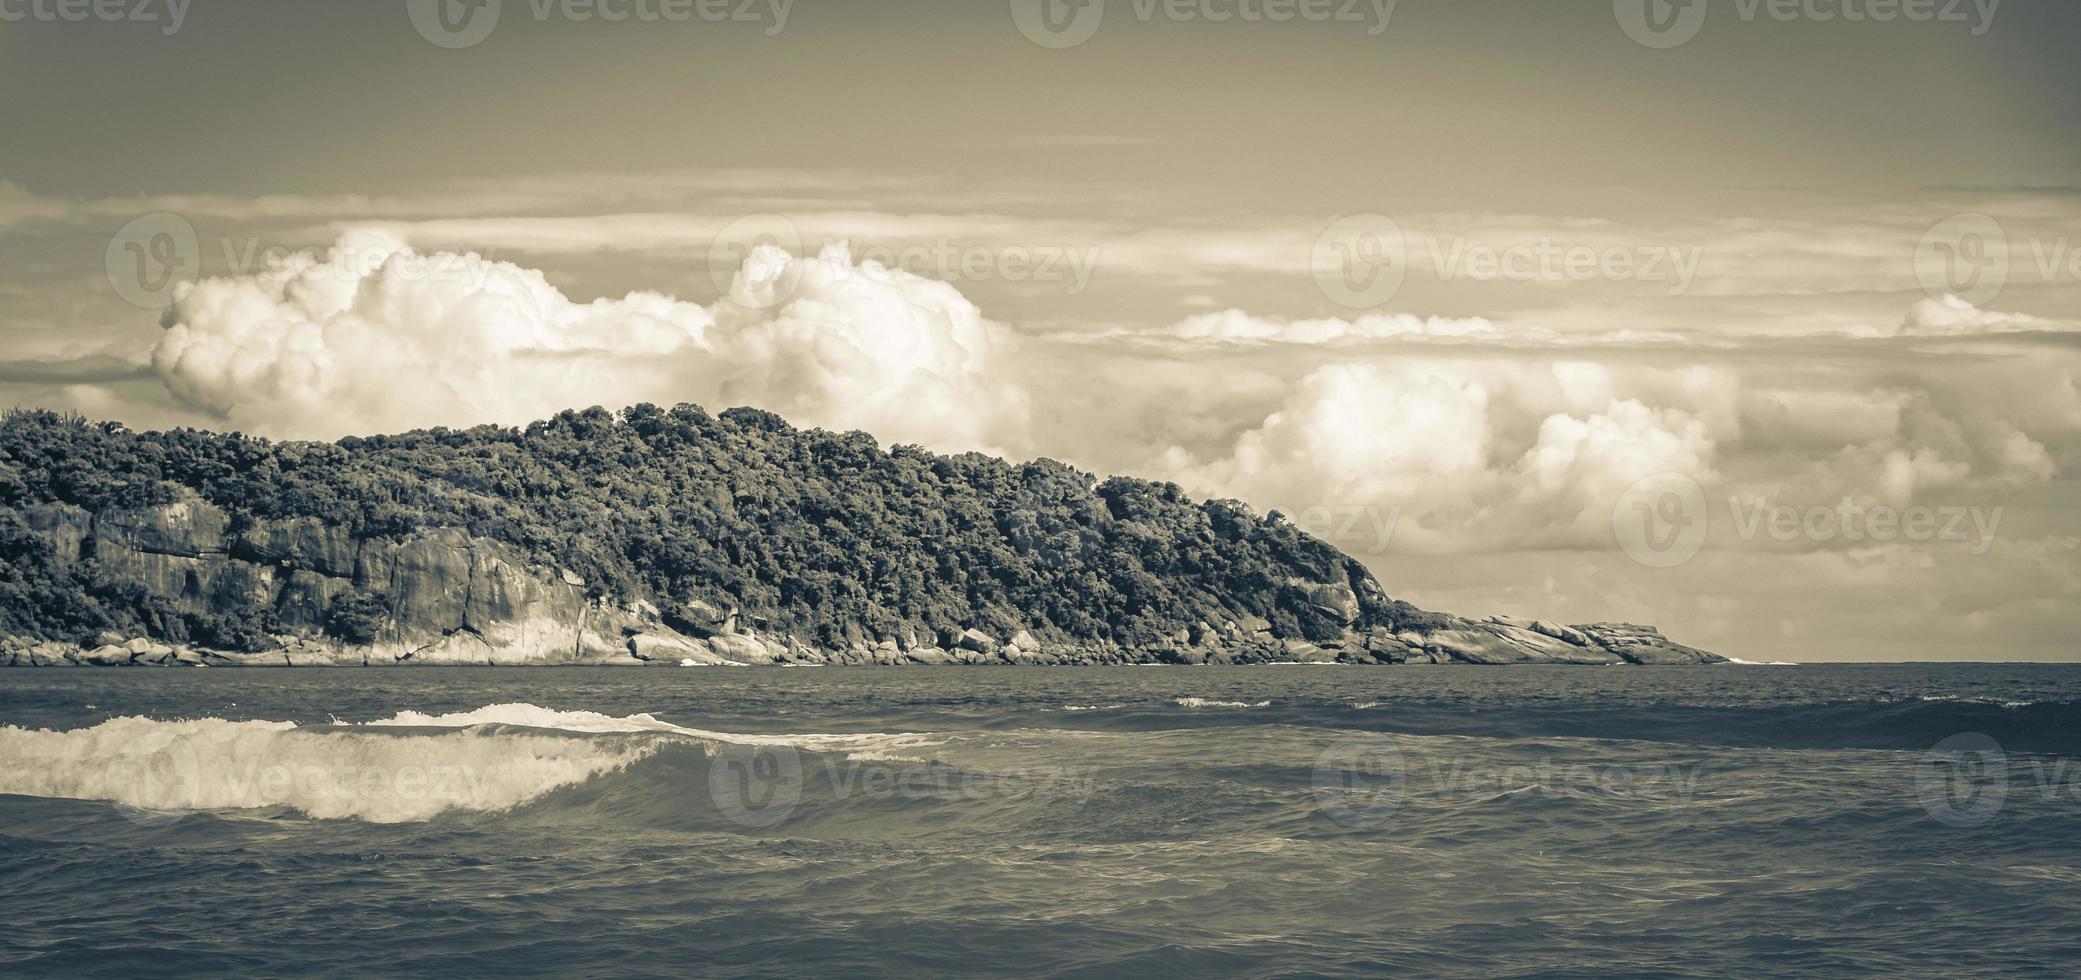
(1491, 643)
(1338, 602)
(1304, 652)
(108, 656)
(667, 648)
(1645, 645)
(977, 641)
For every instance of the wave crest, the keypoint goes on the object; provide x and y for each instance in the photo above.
(1207, 703)
(409, 767)
(328, 773)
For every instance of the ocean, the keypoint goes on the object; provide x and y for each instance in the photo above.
(1152, 822)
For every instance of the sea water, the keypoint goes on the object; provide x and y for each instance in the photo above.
(1258, 821)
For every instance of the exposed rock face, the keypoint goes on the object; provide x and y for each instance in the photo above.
(450, 598)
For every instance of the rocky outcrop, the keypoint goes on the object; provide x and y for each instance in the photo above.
(449, 598)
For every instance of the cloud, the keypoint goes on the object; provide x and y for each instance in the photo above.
(1953, 317)
(1436, 445)
(90, 369)
(1236, 326)
(375, 336)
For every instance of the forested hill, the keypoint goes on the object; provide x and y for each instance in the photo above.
(725, 524)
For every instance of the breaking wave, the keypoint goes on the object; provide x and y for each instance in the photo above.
(405, 768)
(1208, 703)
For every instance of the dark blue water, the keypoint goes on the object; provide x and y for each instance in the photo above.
(1263, 821)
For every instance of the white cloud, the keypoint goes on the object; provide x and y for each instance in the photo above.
(1951, 317)
(377, 337)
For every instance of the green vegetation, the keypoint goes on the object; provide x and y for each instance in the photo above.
(822, 535)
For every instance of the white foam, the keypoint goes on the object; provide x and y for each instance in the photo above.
(595, 723)
(1205, 703)
(1738, 662)
(411, 766)
(213, 764)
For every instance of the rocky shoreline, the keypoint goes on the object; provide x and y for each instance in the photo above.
(1494, 641)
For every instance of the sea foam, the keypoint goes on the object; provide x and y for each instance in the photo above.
(409, 767)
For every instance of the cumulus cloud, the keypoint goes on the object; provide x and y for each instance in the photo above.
(374, 336)
(1952, 317)
(1240, 327)
(1436, 446)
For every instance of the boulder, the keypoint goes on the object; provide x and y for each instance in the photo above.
(703, 619)
(1493, 643)
(744, 649)
(1644, 645)
(1304, 652)
(669, 648)
(108, 656)
(977, 641)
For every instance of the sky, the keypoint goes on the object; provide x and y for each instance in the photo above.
(1756, 320)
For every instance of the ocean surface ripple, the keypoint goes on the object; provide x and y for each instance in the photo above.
(1778, 821)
